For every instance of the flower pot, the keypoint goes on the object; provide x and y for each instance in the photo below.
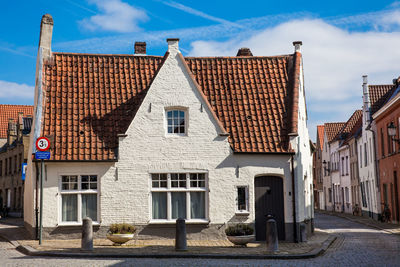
(120, 239)
(241, 240)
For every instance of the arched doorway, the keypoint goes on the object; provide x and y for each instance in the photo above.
(269, 201)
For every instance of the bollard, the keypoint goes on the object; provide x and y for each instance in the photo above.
(87, 235)
(303, 233)
(272, 235)
(180, 235)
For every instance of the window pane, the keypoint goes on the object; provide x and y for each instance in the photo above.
(159, 205)
(89, 206)
(169, 114)
(93, 178)
(85, 186)
(178, 203)
(65, 179)
(176, 129)
(241, 198)
(170, 129)
(176, 113)
(182, 129)
(69, 208)
(85, 178)
(197, 205)
(182, 114)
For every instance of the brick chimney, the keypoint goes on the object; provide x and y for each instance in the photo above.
(244, 52)
(12, 131)
(140, 48)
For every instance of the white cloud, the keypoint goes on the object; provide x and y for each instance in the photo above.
(334, 60)
(11, 90)
(116, 16)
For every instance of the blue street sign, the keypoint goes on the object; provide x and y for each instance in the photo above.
(42, 155)
(24, 171)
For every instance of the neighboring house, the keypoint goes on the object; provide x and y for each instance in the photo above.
(330, 162)
(148, 139)
(374, 96)
(13, 153)
(387, 119)
(354, 175)
(345, 153)
(318, 169)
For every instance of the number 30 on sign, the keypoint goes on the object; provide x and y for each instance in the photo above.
(42, 144)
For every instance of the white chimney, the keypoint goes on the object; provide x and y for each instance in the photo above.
(173, 45)
(366, 103)
(297, 45)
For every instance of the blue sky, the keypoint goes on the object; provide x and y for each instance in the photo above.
(342, 40)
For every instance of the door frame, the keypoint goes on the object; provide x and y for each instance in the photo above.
(283, 178)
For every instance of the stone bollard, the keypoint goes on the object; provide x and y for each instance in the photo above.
(87, 235)
(303, 233)
(180, 235)
(272, 235)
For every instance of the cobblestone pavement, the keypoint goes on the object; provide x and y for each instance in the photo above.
(357, 245)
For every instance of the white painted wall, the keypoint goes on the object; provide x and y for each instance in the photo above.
(345, 181)
(327, 182)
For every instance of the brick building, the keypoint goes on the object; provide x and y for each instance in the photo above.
(388, 150)
(14, 129)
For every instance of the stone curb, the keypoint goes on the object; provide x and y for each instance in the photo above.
(27, 250)
(361, 222)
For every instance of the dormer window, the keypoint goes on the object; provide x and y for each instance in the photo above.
(176, 121)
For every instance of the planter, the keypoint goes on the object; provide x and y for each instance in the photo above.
(241, 240)
(120, 239)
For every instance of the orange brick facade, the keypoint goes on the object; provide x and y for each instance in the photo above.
(389, 159)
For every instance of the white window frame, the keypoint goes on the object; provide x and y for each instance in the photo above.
(247, 210)
(187, 189)
(186, 117)
(79, 194)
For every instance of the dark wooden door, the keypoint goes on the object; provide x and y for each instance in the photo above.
(269, 201)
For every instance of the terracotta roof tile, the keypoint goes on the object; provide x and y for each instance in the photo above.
(11, 112)
(378, 94)
(332, 128)
(90, 99)
(349, 126)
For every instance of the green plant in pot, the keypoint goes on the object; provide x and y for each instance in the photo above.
(240, 234)
(120, 233)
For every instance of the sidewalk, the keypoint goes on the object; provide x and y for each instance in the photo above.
(11, 230)
(388, 227)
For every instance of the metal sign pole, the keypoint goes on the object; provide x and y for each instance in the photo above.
(41, 202)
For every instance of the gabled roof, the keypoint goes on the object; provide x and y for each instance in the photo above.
(332, 129)
(91, 98)
(11, 112)
(378, 94)
(320, 136)
(351, 126)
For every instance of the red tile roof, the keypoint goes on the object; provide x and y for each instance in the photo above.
(349, 126)
(90, 99)
(332, 128)
(11, 112)
(320, 136)
(378, 94)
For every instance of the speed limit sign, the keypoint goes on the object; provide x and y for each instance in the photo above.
(42, 144)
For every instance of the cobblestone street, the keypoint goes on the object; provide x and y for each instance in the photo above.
(356, 245)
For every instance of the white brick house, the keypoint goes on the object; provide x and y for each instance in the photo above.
(146, 139)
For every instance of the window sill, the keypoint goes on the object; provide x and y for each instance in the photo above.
(242, 213)
(75, 224)
(198, 221)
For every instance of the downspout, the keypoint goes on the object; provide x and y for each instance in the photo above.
(37, 200)
(294, 203)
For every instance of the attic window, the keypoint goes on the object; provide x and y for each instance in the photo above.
(176, 122)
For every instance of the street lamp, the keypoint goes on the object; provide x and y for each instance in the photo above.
(392, 132)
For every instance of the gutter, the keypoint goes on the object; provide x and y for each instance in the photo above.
(294, 204)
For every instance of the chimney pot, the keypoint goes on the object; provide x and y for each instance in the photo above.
(140, 48)
(244, 52)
